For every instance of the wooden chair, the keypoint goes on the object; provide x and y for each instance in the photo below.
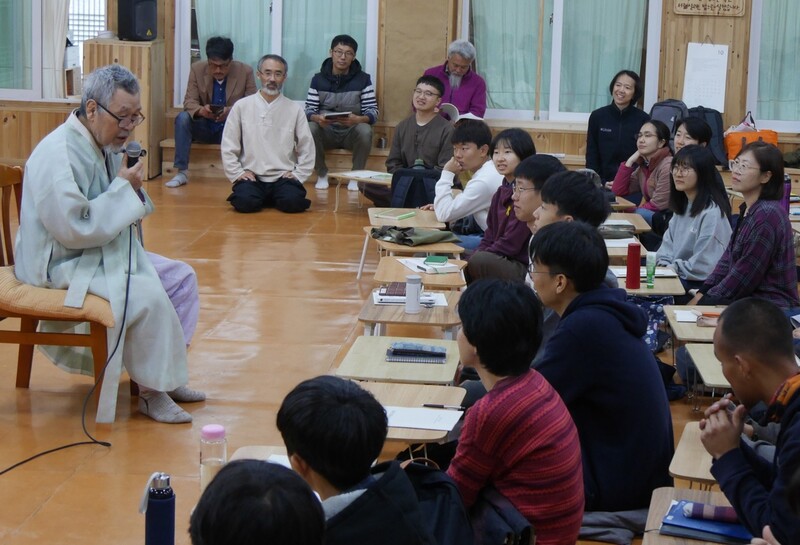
(31, 304)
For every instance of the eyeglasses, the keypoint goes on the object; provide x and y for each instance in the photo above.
(426, 94)
(516, 188)
(645, 135)
(343, 53)
(737, 166)
(129, 121)
(681, 171)
(532, 270)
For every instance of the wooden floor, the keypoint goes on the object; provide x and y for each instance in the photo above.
(279, 301)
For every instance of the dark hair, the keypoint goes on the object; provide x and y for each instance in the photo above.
(709, 190)
(573, 248)
(697, 129)
(345, 39)
(253, 502)
(575, 195)
(518, 140)
(471, 131)
(638, 88)
(219, 47)
(759, 327)
(538, 168)
(274, 58)
(662, 131)
(434, 82)
(336, 426)
(503, 321)
(769, 159)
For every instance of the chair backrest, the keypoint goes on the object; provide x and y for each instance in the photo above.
(10, 182)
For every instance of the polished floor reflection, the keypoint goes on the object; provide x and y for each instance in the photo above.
(279, 301)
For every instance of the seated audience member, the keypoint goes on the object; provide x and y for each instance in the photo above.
(759, 259)
(793, 496)
(341, 86)
(519, 438)
(692, 131)
(601, 367)
(423, 136)
(754, 343)
(700, 228)
(467, 210)
(502, 253)
(214, 86)
(76, 232)
(267, 148)
(334, 431)
(463, 87)
(529, 178)
(644, 177)
(251, 502)
(611, 135)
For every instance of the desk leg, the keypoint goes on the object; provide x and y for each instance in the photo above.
(369, 329)
(338, 185)
(450, 333)
(363, 251)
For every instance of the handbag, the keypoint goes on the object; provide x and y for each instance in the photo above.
(497, 522)
(744, 133)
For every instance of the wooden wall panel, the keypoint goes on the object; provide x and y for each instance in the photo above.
(678, 30)
(24, 124)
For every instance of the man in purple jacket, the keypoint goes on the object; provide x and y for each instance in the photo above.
(463, 87)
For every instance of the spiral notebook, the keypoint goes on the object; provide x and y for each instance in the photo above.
(416, 353)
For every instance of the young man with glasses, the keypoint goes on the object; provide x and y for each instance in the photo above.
(214, 87)
(341, 86)
(77, 232)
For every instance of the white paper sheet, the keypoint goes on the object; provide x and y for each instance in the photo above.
(661, 272)
(622, 223)
(422, 418)
(706, 75)
(687, 316)
(280, 459)
(434, 298)
(620, 242)
(417, 264)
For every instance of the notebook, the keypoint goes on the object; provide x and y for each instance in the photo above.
(408, 352)
(675, 523)
(396, 214)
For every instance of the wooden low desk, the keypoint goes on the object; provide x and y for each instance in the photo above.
(373, 177)
(391, 270)
(366, 360)
(392, 248)
(691, 460)
(422, 219)
(664, 285)
(659, 505)
(622, 204)
(708, 369)
(689, 332)
(376, 317)
(639, 223)
(619, 255)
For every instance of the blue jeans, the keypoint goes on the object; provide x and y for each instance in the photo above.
(646, 214)
(188, 130)
(470, 242)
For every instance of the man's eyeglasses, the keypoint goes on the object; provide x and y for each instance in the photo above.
(343, 53)
(518, 189)
(426, 94)
(532, 270)
(681, 171)
(124, 122)
(737, 166)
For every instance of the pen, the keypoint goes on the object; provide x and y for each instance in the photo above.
(423, 269)
(438, 406)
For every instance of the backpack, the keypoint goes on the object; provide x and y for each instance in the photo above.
(669, 112)
(440, 504)
(714, 120)
(413, 187)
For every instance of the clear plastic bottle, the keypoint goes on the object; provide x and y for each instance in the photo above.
(213, 452)
(650, 264)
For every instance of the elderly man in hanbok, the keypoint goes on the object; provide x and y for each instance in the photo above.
(80, 208)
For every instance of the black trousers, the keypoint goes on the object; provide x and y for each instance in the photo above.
(284, 194)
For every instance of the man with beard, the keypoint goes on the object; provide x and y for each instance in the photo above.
(77, 232)
(463, 87)
(267, 148)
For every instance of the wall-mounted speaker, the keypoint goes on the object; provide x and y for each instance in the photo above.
(136, 20)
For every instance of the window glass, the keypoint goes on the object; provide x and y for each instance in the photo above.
(778, 82)
(16, 45)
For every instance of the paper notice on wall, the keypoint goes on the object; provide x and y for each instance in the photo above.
(706, 75)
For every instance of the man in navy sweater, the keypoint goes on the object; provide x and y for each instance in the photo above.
(599, 364)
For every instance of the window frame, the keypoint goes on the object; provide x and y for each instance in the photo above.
(183, 40)
(751, 102)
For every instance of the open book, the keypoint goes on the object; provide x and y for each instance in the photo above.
(452, 112)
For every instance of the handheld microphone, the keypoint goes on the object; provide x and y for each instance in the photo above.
(134, 151)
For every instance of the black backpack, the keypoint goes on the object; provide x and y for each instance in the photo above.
(714, 120)
(440, 504)
(413, 187)
(670, 112)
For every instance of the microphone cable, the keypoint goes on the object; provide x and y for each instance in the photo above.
(92, 439)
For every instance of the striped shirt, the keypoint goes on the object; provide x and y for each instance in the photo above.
(520, 438)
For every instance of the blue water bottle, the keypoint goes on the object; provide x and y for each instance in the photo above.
(158, 506)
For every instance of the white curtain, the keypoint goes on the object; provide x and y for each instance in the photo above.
(246, 22)
(16, 45)
(506, 40)
(55, 16)
(778, 81)
(308, 28)
(599, 40)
